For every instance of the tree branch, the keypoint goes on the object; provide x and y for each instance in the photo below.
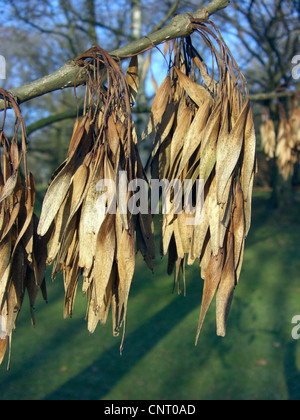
(68, 75)
(212, 8)
(52, 119)
(167, 16)
(260, 97)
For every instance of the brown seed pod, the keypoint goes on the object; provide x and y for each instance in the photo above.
(287, 150)
(210, 138)
(283, 144)
(22, 254)
(268, 135)
(85, 239)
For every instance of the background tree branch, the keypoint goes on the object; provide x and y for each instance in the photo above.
(47, 121)
(260, 97)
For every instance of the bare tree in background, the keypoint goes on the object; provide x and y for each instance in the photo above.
(39, 36)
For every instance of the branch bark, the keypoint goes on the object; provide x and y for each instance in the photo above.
(68, 75)
(45, 122)
(260, 97)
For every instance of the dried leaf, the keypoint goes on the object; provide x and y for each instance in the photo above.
(142, 247)
(167, 231)
(113, 135)
(132, 78)
(9, 187)
(178, 239)
(3, 346)
(214, 217)
(248, 164)
(180, 133)
(228, 152)
(29, 207)
(105, 251)
(59, 228)
(71, 275)
(55, 196)
(79, 183)
(15, 158)
(164, 129)
(205, 256)
(185, 230)
(226, 289)
(196, 92)
(103, 311)
(90, 222)
(16, 200)
(147, 230)
(238, 224)
(126, 268)
(5, 264)
(158, 108)
(211, 283)
(211, 84)
(194, 135)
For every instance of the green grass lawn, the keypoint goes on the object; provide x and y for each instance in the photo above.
(59, 359)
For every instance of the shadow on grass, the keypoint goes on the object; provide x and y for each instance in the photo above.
(291, 372)
(257, 360)
(100, 377)
(271, 275)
